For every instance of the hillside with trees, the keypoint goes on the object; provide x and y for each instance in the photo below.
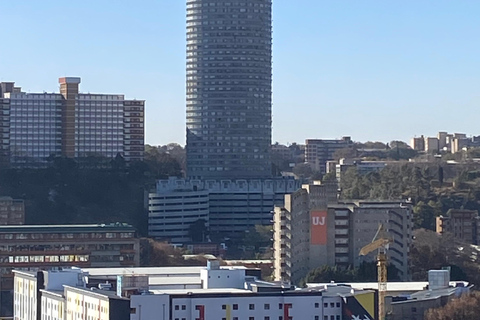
(433, 188)
(94, 190)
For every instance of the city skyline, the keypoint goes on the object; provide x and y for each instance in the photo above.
(339, 68)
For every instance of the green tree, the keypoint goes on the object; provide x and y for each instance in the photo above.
(327, 273)
(198, 231)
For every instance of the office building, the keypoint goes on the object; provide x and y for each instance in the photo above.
(309, 233)
(233, 206)
(12, 211)
(319, 151)
(39, 126)
(229, 89)
(463, 224)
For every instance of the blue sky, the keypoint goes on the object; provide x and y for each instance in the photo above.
(374, 70)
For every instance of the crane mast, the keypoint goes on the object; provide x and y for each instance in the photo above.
(380, 242)
(382, 282)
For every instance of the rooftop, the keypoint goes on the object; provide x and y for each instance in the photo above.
(391, 286)
(67, 228)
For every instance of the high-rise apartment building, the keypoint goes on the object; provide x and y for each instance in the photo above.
(37, 126)
(229, 92)
(312, 230)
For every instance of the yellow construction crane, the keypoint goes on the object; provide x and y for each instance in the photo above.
(380, 242)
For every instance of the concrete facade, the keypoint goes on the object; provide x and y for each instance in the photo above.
(462, 224)
(229, 294)
(319, 151)
(233, 205)
(69, 124)
(229, 89)
(334, 234)
(292, 230)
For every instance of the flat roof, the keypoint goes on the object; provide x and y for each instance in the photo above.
(201, 291)
(67, 228)
(391, 286)
(96, 292)
(158, 271)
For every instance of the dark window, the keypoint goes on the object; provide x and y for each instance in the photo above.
(325, 305)
(266, 318)
(332, 304)
(235, 307)
(338, 304)
(251, 318)
(266, 306)
(317, 305)
(280, 306)
(317, 318)
(184, 307)
(251, 306)
(177, 307)
(224, 306)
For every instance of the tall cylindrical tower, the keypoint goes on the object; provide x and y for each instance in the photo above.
(229, 88)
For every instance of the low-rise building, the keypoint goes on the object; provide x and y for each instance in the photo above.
(225, 293)
(50, 247)
(410, 300)
(362, 166)
(28, 303)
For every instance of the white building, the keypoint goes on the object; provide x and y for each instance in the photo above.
(233, 206)
(27, 285)
(225, 293)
